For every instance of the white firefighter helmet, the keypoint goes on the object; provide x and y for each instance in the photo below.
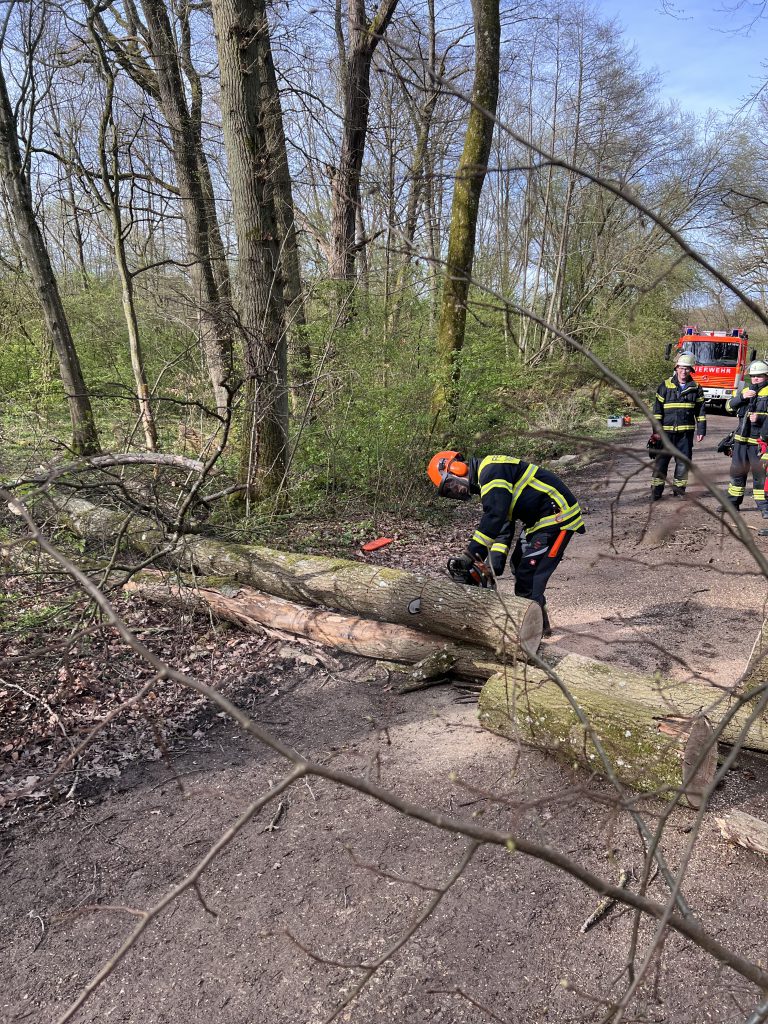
(758, 369)
(686, 360)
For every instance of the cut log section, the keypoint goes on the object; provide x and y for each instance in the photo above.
(656, 736)
(432, 604)
(381, 640)
(744, 830)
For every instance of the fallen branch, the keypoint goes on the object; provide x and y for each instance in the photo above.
(744, 830)
(49, 474)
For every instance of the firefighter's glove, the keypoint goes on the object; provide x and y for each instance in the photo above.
(466, 569)
(762, 447)
(498, 561)
(654, 438)
(461, 563)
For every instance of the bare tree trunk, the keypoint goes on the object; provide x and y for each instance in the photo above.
(423, 124)
(466, 202)
(295, 313)
(364, 36)
(110, 178)
(554, 311)
(196, 209)
(658, 735)
(251, 609)
(240, 28)
(78, 236)
(85, 440)
(432, 604)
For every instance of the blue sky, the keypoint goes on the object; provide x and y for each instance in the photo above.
(703, 63)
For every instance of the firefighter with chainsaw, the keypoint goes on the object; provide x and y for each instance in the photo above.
(510, 489)
(750, 439)
(679, 414)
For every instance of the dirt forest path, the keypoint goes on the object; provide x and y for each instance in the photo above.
(659, 586)
(326, 878)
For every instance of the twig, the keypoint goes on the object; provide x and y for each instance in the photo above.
(272, 826)
(606, 904)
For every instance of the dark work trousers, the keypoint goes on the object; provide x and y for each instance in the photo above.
(683, 441)
(535, 558)
(745, 460)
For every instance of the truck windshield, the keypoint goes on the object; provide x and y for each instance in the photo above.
(713, 353)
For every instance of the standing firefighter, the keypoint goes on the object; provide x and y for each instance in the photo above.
(511, 489)
(750, 437)
(679, 412)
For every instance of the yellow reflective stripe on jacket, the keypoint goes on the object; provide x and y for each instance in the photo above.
(569, 519)
(569, 516)
(498, 460)
(745, 440)
(527, 478)
(482, 538)
(679, 405)
(672, 429)
(502, 548)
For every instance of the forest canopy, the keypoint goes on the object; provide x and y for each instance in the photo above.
(247, 212)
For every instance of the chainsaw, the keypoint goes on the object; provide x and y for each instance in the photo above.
(478, 574)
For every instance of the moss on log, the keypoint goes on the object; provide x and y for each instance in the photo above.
(431, 604)
(655, 742)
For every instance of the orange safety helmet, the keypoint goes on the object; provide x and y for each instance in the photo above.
(446, 468)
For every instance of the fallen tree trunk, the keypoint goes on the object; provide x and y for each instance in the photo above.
(431, 604)
(657, 733)
(251, 609)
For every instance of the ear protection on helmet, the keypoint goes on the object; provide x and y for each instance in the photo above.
(450, 474)
(445, 463)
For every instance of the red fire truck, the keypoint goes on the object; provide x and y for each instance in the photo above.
(722, 358)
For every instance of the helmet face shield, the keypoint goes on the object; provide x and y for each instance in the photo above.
(455, 487)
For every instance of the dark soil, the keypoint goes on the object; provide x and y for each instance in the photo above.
(324, 878)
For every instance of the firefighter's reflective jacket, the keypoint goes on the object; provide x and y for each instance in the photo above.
(680, 407)
(511, 490)
(749, 432)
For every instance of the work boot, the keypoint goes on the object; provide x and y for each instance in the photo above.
(656, 493)
(547, 625)
(678, 492)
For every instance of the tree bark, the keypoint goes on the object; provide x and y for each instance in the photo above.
(744, 830)
(109, 162)
(295, 313)
(85, 440)
(240, 26)
(466, 203)
(252, 609)
(213, 313)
